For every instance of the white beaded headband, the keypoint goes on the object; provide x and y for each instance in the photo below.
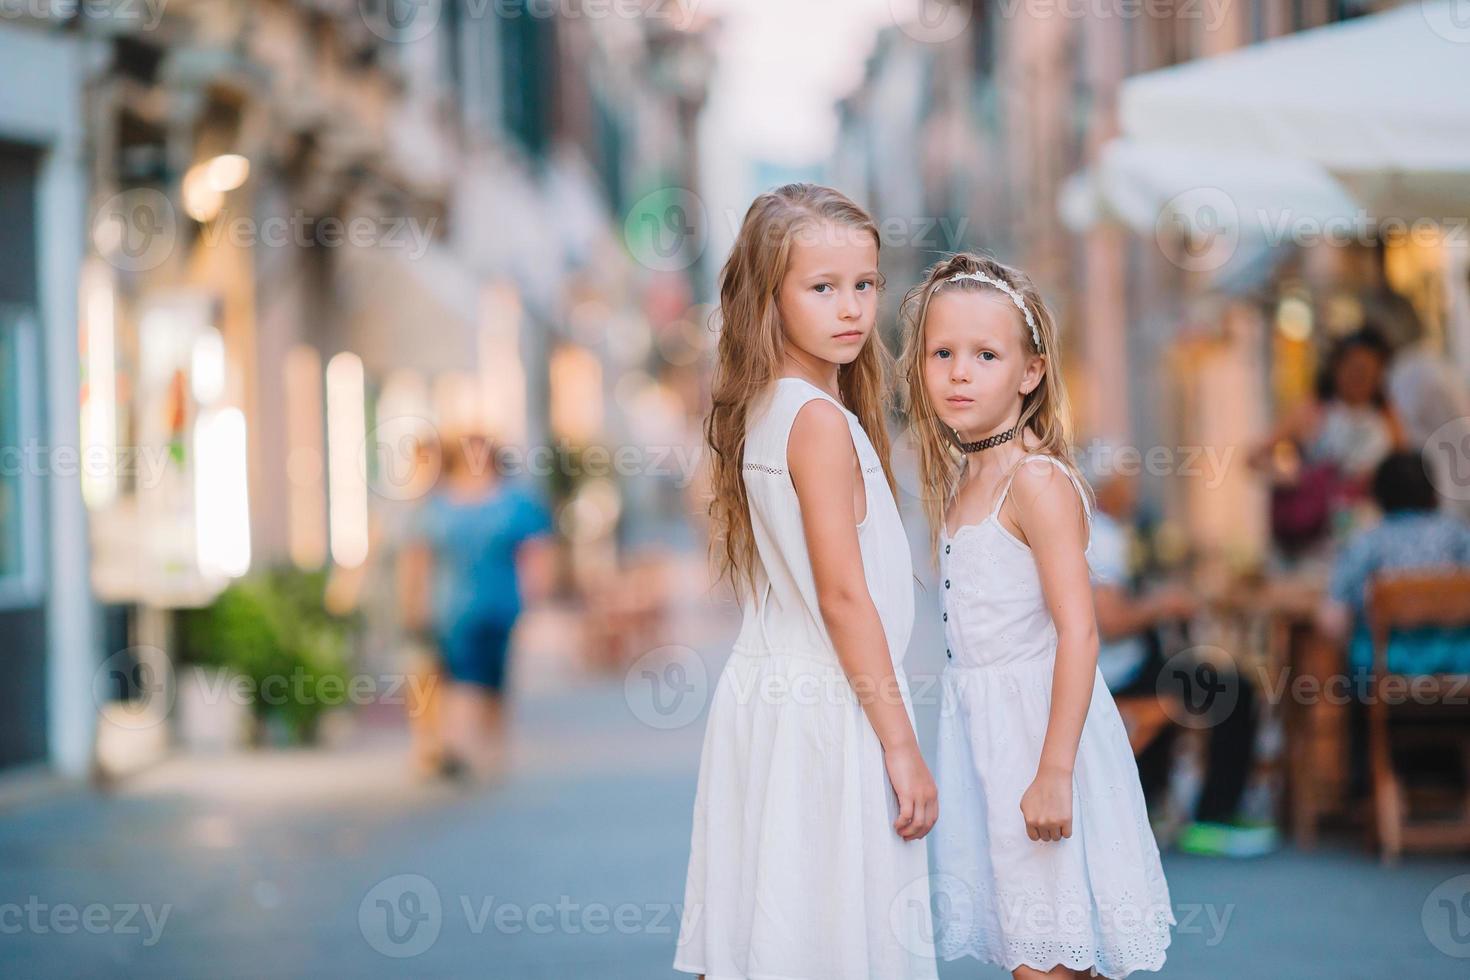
(1009, 291)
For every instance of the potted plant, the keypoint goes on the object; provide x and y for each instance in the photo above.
(272, 630)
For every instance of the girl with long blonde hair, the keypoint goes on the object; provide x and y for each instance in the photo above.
(807, 856)
(1046, 854)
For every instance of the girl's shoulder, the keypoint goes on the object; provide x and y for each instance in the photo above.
(816, 422)
(1049, 485)
(797, 392)
(774, 412)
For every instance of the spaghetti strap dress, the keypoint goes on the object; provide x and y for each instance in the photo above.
(1096, 900)
(795, 869)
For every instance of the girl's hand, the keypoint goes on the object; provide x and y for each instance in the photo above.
(1047, 806)
(918, 798)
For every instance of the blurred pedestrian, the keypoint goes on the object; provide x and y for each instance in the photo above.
(419, 653)
(481, 550)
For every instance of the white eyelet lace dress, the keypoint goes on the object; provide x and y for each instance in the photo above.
(1097, 899)
(795, 870)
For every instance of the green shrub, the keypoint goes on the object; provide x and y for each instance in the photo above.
(273, 628)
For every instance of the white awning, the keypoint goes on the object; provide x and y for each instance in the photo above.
(1379, 102)
(1153, 188)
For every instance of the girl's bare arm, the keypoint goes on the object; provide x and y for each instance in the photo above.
(1050, 513)
(822, 461)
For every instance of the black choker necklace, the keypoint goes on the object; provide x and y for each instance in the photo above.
(988, 441)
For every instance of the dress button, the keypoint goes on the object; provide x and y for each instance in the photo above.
(946, 549)
(946, 583)
(946, 617)
(948, 654)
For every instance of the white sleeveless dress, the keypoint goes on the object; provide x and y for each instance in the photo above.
(1097, 899)
(795, 870)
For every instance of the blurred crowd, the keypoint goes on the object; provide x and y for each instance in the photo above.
(1354, 500)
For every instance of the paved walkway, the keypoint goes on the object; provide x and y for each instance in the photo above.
(283, 865)
(338, 864)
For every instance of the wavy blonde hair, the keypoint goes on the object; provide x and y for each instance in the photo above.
(750, 352)
(1045, 410)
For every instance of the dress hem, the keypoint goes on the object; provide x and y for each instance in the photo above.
(1044, 966)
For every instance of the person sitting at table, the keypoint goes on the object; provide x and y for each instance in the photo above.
(1333, 442)
(1416, 535)
(1131, 659)
(1428, 394)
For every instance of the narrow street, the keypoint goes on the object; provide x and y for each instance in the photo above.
(352, 346)
(335, 863)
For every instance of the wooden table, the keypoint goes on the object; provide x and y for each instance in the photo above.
(1299, 679)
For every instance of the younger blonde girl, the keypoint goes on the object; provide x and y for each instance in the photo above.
(1045, 859)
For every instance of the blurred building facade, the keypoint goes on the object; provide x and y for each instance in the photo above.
(280, 238)
(49, 626)
(993, 127)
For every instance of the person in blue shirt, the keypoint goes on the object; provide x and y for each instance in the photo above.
(1416, 535)
(479, 542)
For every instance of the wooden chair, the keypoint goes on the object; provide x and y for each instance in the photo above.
(1402, 602)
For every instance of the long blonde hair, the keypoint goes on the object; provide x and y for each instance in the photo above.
(750, 351)
(1045, 410)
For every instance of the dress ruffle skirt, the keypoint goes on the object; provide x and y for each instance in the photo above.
(1095, 899)
(789, 749)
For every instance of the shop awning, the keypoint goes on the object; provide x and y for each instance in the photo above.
(1378, 102)
(1155, 188)
(1327, 129)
